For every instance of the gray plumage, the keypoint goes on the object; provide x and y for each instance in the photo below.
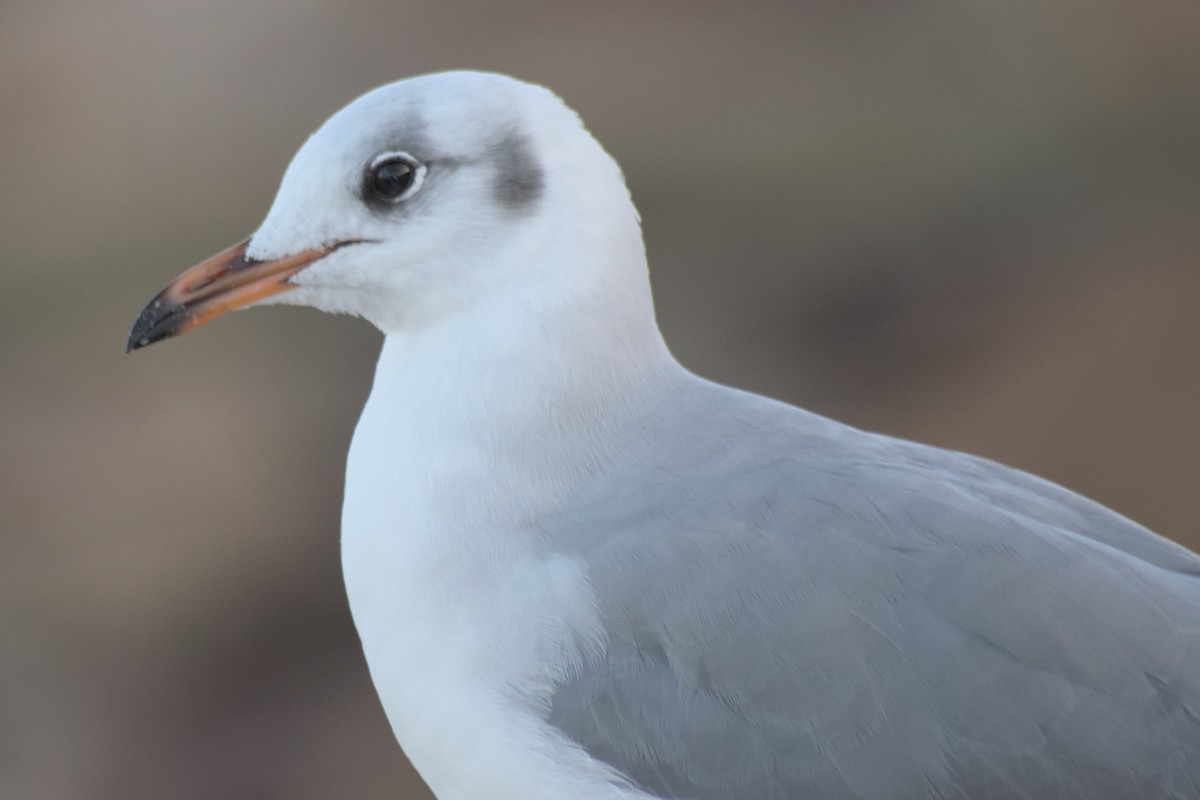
(895, 621)
(518, 181)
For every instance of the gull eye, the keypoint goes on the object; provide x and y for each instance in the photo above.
(393, 177)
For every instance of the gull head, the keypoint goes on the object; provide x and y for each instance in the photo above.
(423, 200)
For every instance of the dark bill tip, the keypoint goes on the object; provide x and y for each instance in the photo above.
(224, 282)
(153, 324)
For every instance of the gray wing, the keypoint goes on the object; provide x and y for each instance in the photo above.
(797, 609)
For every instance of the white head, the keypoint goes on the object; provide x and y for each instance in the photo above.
(424, 199)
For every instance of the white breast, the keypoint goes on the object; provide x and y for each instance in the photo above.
(467, 619)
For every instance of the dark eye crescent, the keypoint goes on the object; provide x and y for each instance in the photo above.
(393, 177)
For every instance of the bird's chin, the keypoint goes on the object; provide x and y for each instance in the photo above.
(330, 299)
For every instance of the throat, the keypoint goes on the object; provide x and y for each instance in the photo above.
(534, 389)
(477, 430)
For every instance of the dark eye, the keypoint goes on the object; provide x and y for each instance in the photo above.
(392, 177)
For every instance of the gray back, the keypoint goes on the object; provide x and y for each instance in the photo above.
(798, 609)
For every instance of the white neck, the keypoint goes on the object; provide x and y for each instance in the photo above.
(477, 426)
(559, 360)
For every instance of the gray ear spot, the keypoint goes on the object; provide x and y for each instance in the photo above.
(519, 180)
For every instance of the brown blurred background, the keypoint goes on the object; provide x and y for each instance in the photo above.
(970, 223)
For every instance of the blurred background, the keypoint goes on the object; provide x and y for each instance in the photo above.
(973, 224)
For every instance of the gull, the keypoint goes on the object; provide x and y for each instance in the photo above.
(580, 571)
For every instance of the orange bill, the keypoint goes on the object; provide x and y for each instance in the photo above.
(224, 282)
